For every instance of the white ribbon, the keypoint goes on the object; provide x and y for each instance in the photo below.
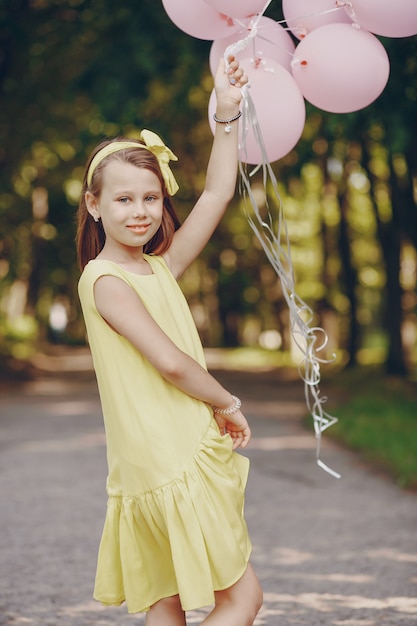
(275, 242)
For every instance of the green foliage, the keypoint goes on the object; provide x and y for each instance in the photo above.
(75, 71)
(18, 336)
(71, 73)
(378, 418)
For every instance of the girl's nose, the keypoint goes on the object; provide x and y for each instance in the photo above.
(138, 211)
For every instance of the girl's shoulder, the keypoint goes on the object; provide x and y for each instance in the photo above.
(94, 270)
(100, 267)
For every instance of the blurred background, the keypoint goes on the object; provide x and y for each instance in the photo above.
(73, 72)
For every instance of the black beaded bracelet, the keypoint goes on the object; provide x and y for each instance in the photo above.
(228, 122)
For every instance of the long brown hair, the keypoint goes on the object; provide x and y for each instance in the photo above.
(90, 236)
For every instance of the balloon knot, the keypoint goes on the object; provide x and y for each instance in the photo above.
(229, 20)
(300, 32)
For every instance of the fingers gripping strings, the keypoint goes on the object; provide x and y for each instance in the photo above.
(273, 236)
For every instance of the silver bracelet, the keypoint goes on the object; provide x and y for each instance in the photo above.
(232, 409)
(227, 128)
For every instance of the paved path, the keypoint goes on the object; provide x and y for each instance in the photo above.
(334, 552)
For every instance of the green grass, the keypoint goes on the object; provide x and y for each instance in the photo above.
(378, 417)
(377, 414)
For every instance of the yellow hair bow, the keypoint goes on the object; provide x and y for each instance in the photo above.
(154, 144)
(164, 155)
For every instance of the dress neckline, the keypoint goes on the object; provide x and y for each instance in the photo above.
(123, 269)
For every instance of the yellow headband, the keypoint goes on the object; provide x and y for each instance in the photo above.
(154, 144)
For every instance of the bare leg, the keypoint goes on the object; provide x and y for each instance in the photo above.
(166, 612)
(239, 604)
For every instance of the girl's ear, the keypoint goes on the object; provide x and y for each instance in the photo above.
(92, 205)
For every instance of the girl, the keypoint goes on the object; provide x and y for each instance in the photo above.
(174, 537)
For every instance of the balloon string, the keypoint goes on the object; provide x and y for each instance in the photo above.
(274, 43)
(264, 9)
(305, 336)
(276, 244)
(340, 4)
(240, 45)
(316, 14)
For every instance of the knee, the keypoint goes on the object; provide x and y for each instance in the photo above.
(243, 600)
(172, 602)
(168, 605)
(253, 593)
(257, 599)
(250, 603)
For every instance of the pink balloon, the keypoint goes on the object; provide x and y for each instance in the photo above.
(389, 18)
(198, 19)
(237, 8)
(271, 41)
(303, 16)
(340, 68)
(280, 110)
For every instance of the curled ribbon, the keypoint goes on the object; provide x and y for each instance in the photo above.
(275, 242)
(274, 239)
(154, 144)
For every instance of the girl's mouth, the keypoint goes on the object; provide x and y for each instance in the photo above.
(140, 229)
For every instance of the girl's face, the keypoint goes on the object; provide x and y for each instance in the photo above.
(130, 205)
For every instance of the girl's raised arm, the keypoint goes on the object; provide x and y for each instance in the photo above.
(220, 185)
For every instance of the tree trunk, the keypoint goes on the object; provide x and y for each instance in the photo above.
(390, 239)
(350, 281)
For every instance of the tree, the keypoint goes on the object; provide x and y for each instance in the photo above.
(73, 72)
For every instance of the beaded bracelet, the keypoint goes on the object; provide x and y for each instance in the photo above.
(227, 128)
(235, 407)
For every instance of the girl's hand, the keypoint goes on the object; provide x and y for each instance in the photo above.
(236, 426)
(227, 84)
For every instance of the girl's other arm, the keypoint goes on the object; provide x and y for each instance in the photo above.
(220, 184)
(124, 311)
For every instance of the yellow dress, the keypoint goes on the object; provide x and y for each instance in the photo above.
(174, 522)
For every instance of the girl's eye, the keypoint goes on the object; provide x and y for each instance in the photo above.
(123, 200)
(150, 198)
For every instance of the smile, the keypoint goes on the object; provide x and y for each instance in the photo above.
(139, 228)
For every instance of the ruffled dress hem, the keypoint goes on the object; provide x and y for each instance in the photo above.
(207, 603)
(187, 538)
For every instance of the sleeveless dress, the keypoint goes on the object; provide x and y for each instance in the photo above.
(174, 522)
